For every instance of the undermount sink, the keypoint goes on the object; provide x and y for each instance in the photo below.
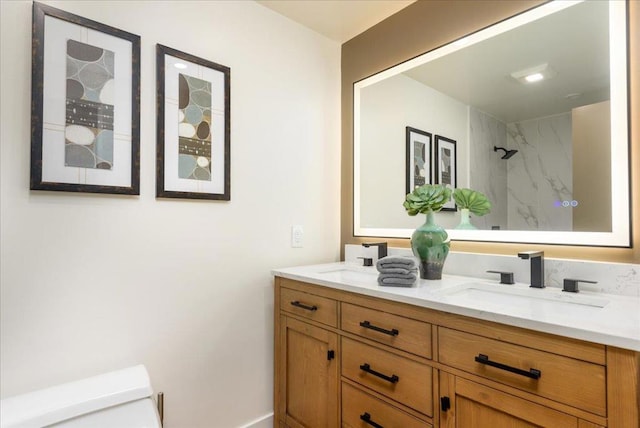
(518, 296)
(349, 273)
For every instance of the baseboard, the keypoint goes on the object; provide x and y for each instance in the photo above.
(265, 421)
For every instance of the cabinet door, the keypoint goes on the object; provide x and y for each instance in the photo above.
(471, 405)
(308, 375)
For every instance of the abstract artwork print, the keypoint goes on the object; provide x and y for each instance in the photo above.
(419, 159)
(445, 166)
(89, 106)
(194, 128)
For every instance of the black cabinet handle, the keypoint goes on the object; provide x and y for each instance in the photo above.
(532, 373)
(303, 306)
(367, 368)
(367, 324)
(367, 418)
(445, 403)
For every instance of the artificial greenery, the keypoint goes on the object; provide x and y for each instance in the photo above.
(429, 197)
(476, 202)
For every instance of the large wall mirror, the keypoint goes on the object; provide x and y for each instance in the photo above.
(532, 111)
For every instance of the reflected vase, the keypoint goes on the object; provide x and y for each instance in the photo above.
(465, 220)
(430, 244)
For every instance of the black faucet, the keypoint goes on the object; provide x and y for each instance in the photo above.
(571, 285)
(382, 248)
(505, 277)
(537, 267)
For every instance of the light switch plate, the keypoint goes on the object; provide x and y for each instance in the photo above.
(297, 235)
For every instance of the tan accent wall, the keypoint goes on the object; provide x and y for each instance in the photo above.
(591, 135)
(428, 24)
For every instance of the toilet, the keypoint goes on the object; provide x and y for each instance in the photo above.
(116, 399)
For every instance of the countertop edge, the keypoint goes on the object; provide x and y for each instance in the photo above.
(574, 332)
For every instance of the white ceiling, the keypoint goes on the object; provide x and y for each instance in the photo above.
(339, 20)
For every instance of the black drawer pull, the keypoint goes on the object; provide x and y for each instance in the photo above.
(303, 306)
(367, 418)
(367, 368)
(532, 373)
(367, 324)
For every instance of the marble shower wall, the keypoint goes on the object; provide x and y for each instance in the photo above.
(528, 189)
(539, 176)
(488, 173)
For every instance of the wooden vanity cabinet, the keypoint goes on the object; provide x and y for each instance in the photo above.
(344, 359)
(307, 370)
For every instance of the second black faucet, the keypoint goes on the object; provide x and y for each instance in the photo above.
(537, 267)
(382, 248)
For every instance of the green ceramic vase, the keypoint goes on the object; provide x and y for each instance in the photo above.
(430, 244)
(465, 221)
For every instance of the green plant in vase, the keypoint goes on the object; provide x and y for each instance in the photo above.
(470, 201)
(429, 242)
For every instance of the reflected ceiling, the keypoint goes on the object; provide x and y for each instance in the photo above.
(581, 77)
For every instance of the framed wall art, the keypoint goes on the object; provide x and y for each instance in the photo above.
(418, 154)
(85, 105)
(446, 166)
(193, 127)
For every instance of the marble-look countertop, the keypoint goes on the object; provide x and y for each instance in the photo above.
(595, 317)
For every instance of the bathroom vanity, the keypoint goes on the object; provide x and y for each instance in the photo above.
(459, 352)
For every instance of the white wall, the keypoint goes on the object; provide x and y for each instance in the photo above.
(387, 107)
(93, 283)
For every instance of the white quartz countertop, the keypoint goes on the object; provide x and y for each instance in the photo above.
(595, 317)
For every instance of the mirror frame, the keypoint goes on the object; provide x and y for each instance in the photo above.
(620, 235)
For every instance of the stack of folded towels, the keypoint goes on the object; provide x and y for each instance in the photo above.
(397, 271)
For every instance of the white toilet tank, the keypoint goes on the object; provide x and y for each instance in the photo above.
(120, 399)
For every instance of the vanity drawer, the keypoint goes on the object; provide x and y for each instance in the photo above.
(393, 330)
(563, 379)
(358, 405)
(310, 306)
(401, 379)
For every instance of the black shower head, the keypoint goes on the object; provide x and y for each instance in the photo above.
(507, 153)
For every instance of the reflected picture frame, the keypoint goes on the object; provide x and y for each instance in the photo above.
(446, 166)
(85, 105)
(418, 158)
(193, 144)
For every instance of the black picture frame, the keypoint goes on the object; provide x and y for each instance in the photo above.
(85, 131)
(446, 166)
(418, 158)
(193, 158)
